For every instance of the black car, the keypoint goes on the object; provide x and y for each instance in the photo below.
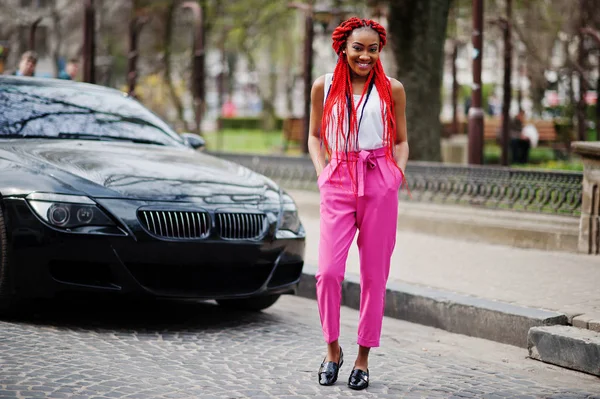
(100, 195)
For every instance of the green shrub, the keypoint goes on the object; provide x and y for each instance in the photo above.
(492, 154)
(576, 166)
(568, 111)
(540, 155)
(245, 141)
(487, 89)
(247, 123)
(565, 131)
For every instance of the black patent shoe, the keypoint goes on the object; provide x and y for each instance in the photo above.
(358, 379)
(328, 372)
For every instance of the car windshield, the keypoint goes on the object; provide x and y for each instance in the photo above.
(32, 108)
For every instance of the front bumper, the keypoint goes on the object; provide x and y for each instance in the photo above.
(45, 261)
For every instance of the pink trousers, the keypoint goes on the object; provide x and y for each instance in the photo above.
(357, 193)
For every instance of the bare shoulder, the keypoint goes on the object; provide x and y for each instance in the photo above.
(398, 93)
(319, 83)
(397, 87)
(317, 92)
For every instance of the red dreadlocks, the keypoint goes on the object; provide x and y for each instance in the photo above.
(336, 109)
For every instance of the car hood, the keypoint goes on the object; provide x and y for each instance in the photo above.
(149, 172)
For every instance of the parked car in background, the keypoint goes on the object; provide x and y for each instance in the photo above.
(99, 195)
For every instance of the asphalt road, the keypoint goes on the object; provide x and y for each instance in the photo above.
(107, 349)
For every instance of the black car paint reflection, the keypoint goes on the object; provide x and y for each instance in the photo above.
(64, 143)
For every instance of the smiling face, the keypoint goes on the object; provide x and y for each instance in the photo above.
(362, 51)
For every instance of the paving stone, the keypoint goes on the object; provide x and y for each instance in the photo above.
(270, 355)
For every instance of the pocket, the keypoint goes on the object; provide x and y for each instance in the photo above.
(323, 172)
(400, 176)
(326, 173)
(396, 174)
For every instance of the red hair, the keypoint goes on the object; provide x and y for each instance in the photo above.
(337, 111)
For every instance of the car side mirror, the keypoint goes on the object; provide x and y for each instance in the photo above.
(193, 140)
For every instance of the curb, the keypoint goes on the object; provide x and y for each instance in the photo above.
(457, 313)
(568, 347)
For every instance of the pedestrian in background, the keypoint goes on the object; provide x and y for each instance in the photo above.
(27, 64)
(520, 142)
(358, 122)
(71, 70)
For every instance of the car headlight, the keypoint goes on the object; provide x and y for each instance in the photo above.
(68, 211)
(289, 221)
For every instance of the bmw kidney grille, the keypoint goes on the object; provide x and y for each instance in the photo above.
(241, 226)
(175, 224)
(185, 225)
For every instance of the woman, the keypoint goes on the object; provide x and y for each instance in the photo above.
(358, 120)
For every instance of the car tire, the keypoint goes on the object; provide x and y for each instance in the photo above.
(6, 292)
(253, 304)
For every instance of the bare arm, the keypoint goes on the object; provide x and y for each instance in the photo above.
(317, 154)
(401, 146)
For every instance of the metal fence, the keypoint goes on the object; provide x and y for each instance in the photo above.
(482, 186)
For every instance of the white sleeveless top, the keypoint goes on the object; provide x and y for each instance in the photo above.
(370, 130)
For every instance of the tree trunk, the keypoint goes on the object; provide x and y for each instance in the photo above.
(417, 33)
(455, 129)
(232, 60)
(268, 115)
(507, 87)
(598, 102)
(167, 60)
(58, 37)
(586, 11)
(583, 87)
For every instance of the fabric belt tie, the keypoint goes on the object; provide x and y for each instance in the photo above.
(364, 159)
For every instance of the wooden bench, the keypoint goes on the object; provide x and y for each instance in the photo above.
(293, 132)
(545, 129)
(448, 129)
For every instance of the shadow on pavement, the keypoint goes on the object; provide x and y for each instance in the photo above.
(129, 314)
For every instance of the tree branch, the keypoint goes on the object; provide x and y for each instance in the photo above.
(593, 33)
(582, 72)
(530, 49)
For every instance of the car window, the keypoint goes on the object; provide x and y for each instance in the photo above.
(74, 111)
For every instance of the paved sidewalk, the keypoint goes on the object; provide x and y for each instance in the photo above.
(564, 282)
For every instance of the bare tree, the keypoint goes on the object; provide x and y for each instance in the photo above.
(417, 35)
(253, 33)
(547, 18)
(168, 20)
